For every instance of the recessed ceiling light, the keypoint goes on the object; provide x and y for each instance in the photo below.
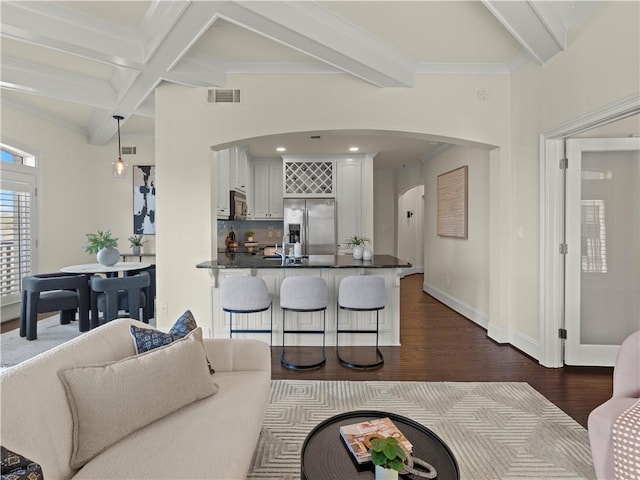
(281, 149)
(353, 149)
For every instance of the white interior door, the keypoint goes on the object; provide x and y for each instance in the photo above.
(602, 276)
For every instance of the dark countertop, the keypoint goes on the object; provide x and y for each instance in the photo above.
(246, 260)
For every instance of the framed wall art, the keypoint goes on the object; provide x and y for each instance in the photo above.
(144, 199)
(452, 203)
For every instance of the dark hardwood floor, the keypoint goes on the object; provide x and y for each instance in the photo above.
(440, 345)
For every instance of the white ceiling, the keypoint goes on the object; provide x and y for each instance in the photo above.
(78, 63)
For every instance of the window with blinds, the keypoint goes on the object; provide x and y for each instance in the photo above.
(594, 236)
(15, 240)
(17, 221)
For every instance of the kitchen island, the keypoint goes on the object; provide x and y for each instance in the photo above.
(332, 268)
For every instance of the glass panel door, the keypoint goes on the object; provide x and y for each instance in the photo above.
(602, 302)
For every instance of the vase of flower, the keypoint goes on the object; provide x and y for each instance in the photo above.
(103, 246)
(136, 244)
(108, 256)
(357, 244)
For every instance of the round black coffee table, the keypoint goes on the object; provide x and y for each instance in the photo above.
(325, 456)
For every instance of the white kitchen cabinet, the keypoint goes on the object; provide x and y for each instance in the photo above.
(240, 169)
(349, 205)
(224, 168)
(267, 190)
(309, 176)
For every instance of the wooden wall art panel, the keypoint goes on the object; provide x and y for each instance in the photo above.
(452, 203)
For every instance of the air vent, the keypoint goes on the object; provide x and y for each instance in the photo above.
(128, 150)
(224, 95)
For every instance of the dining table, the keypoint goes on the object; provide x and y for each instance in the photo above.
(111, 271)
(95, 268)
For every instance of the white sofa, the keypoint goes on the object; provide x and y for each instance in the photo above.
(211, 438)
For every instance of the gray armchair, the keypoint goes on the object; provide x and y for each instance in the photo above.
(50, 292)
(111, 295)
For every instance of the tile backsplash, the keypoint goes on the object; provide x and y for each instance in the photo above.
(262, 230)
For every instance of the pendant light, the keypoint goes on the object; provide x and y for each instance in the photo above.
(118, 167)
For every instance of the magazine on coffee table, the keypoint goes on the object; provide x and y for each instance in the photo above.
(357, 435)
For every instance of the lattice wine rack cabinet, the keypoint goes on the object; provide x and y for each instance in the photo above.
(309, 178)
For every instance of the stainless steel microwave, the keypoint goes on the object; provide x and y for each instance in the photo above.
(237, 205)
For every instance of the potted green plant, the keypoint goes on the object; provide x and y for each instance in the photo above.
(136, 243)
(388, 455)
(249, 235)
(103, 245)
(357, 243)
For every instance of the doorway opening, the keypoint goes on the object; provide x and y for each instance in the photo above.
(410, 229)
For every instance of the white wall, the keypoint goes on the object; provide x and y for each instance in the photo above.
(446, 106)
(457, 270)
(600, 66)
(384, 212)
(77, 193)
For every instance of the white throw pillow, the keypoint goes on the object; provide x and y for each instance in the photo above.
(113, 400)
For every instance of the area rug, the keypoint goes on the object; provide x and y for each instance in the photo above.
(15, 349)
(495, 430)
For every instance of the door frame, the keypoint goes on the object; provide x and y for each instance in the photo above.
(551, 142)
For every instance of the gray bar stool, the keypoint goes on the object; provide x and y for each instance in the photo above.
(303, 294)
(246, 295)
(361, 293)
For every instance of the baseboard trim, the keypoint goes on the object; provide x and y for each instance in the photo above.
(462, 308)
(501, 335)
(411, 271)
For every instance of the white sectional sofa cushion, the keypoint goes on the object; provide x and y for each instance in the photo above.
(214, 437)
(174, 375)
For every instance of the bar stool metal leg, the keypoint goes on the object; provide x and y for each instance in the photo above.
(361, 293)
(304, 294)
(364, 366)
(309, 366)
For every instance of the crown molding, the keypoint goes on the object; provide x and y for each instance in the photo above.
(280, 68)
(463, 69)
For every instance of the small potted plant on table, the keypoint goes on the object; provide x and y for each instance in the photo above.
(357, 243)
(136, 244)
(103, 245)
(388, 455)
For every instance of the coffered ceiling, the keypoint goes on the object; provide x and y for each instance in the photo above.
(78, 63)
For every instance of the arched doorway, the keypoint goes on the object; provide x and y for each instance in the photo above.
(410, 228)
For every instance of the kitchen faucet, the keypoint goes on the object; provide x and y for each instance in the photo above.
(283, 252)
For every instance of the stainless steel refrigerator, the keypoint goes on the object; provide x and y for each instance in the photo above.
(312, 222)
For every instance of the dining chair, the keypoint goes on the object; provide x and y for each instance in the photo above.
(51, 292)
(112, 295)
(150, 291)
